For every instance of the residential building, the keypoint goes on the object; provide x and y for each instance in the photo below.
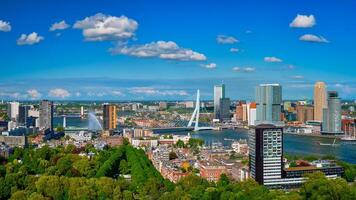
(109, 117)
(211, 170)
(224, 110)
(305, 113)
(320, 102)
(266, 153)
(332, 115)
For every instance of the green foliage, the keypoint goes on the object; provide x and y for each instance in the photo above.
(60, 173)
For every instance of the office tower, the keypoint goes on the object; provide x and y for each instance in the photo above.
(268, 103)
(319, 100)
(251, 113)
(46, 115)
(224, 109)
(13, 110)
(219, 93)
(332, 114)
(305, 113)
(23, 114)
(109, 117)
(266, 154)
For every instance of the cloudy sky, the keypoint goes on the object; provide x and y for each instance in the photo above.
(134, 50)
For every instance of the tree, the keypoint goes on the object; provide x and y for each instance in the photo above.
(180, 144)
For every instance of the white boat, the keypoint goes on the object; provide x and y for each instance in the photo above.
(329, 144)
(348, 138)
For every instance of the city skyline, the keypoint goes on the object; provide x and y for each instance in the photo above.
(127, 51)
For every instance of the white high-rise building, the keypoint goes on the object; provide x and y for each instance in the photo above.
(251, 113)
(13, 110)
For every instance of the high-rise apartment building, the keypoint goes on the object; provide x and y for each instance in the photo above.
(109, 117)
(239, 112)
(319, 100)
(251, 111)
(46, 115)
(219, 93)
(268, 103)
(266, 154)
(13, 110)
(332, 114)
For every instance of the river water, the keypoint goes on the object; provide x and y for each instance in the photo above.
(293, 144)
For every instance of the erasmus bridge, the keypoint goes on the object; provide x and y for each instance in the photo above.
(193, 123)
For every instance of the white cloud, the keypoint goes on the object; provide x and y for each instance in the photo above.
(152, 91)
(117, 93)
(161, 49)
(12, 95)
(291, 67)
(313, 38)
(298, 77)
(224, 39)
(29, 39)
(346, 89)
(96, 94)
(5, 26)
(102, 27)
(33, 94)
(209, 66)
(303, 21)
(59, 26)
(234, 50)
(243, 69)
(78, 94)
(272, 59)
(59, 92)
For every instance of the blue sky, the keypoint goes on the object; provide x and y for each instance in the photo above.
(128, 50)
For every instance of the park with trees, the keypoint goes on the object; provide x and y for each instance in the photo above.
(126, 173)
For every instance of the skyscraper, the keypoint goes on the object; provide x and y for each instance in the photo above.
(109, 117)
(46, 115)
(319, 100)
(219, 93)
(266, 153)
(332, 114)
(251, 111)
(224, 110)
(23, 114)
(268, 103)
(13, 110)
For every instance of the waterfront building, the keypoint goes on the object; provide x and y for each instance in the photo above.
(251, 113)
(13, 110)
(46, 115)
(266, 153)
(320, 102)
(268, 103)
(244, 112)
(219, 93)
(224, 110)
(305, 113)
(81, 111)
(109, 117)
(332, 115)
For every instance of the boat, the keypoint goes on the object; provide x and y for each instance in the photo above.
(228, 139)
(329, 144)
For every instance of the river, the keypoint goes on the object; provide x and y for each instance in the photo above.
(293, 144)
